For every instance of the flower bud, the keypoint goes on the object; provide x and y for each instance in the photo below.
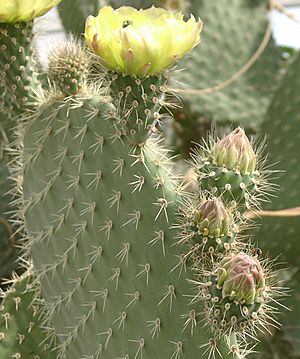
(235, 151)
(141, 42)
(24, 10)
(241, 278)
(212, 218)
(68, 66)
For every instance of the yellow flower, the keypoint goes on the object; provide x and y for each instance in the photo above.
(24, 10)
(141, 42)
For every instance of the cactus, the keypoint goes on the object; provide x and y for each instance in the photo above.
(119, 198)
(8, 241)
(73, 14)
(282, 127)
(18, 76)
(127, 264)
(21, 335)
(238, 295)
(19, 79)
(18, 83)
(224, 52)
(17, 72)
(209, 228)
(103, 279)
(231, 168)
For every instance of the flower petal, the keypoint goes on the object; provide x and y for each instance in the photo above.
(141, 42)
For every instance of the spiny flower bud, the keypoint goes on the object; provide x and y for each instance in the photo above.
(141, 42)
(213, 219)
(24, 10)
(68, 66)
(238, 294)
(235, 151)
(209, 228)
(241, 278)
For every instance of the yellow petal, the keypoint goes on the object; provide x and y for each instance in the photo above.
(141, 42)
(24, 10)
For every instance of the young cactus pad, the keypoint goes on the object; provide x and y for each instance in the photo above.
(69, 64)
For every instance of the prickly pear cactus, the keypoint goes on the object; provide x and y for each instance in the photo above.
(282, 127)
(18, 74)
(227, 47)
(110, 272)
(8, 240)
(106, 260)
(127, 264)
(17, 71)
(21, 335)
(231, 169)
(73, 14)
(18, 83)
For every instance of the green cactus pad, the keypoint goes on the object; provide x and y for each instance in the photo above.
(73, 14)
(99, 211)
(8, 241)
(279, 235)
(233, 30)
(17, 79)
(21, 336)
(139, 103)
(17, 74)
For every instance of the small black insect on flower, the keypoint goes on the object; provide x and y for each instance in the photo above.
(127, 23)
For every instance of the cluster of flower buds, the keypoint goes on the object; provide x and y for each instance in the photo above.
(236, 287)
